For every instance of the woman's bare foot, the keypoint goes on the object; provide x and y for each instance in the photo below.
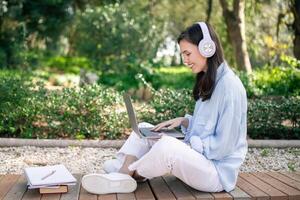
(138, 177)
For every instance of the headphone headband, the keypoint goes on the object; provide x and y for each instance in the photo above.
(205, 31)
(206, 46)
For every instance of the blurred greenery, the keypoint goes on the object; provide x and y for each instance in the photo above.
(66, 64)
(119, 36)
(280, 80)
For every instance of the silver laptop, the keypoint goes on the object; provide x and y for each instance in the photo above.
(146, 132)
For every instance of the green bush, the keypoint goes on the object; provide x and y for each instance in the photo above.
(274, 118)
(173, 77)
(89, 112)
(121, 81)
(3, 62)
(15, 95)
(268, 117)
(69, 64)
(167, 104)
(283, 80)
(162, 77)
(28, 110)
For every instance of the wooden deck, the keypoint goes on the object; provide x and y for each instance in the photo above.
(271, 185)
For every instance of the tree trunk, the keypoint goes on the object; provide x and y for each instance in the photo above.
(296, 27)
(235, 22)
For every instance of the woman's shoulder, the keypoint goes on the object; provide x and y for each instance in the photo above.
(230, 83)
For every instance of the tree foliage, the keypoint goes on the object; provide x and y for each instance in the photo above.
(25, 24)
(117, 36)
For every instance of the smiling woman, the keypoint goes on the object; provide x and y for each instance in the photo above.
(214, 145)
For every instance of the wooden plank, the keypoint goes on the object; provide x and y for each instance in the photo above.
(199, 194)
(221, 195)
(32, 195)
(1, 177)
(239, 194)
(292, 192)
(74, 190)
(178, 189)
(160, 189)
(107, 197)
(202, 195)
(50, 197)
(268, 189)
(6, 184)
(251, 190)
(285, 179)
(293, 176)
(18, 190)
(84, 195)
(144, 192)
(125, 196)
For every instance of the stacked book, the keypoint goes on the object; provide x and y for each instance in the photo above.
(49, 179)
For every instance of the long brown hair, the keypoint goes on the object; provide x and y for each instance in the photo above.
(205, 81)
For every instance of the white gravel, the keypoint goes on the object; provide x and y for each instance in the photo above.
(89, 160)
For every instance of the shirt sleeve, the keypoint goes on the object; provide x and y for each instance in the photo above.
(220, 144)
(196, 143)
(186, 130)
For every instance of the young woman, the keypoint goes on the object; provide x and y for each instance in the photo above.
(215, 143)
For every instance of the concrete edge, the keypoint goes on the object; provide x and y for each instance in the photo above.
(273, 143)
(15, 142)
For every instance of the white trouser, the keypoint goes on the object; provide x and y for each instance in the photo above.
(169, 155)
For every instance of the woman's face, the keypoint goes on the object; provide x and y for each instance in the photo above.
(192, 57)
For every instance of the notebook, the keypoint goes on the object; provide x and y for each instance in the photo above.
(38, 177)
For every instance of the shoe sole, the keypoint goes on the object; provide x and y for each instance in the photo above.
(100, 184)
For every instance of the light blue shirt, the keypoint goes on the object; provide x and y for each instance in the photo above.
(221, 124)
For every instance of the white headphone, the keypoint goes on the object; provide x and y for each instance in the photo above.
(206, 46)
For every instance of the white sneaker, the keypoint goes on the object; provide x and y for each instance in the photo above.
(113, 165)
(108, 183)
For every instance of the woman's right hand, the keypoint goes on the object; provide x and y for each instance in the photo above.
(170, 124)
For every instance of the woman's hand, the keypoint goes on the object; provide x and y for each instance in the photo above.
(170, 124)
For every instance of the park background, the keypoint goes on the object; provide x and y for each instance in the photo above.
(64, 64)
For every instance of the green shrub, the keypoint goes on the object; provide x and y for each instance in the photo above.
(69, 64)
(173, 77)
(91, 112)
(268, 117)
(120, 82)
(283, 80)
(3, 58)
(162, 77)
(15, 97)
(30, 111)
(274, 118)
(167, 104)
(279, 80)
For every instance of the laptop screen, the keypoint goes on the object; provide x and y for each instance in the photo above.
(131, 113)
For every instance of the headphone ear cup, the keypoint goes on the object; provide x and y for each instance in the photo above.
(207, 48)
